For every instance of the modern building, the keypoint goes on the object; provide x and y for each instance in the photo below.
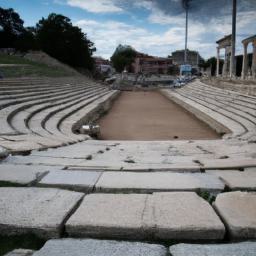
(193, 58)
(102, 65)
(151, 65)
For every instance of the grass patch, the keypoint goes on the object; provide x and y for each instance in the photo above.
(31, 69)
(206, 196)
(30, 241)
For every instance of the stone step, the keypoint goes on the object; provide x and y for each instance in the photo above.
(92, 247)
(20, 252)
(131, 182)
(230, 105)
(222, 92)
(81, 181)
(220, 108)
(22, 174)
(164, 216)
(13, 98)
(227, 98)
(237, 95)
(233, 249)
(53, 124)
(234, 113)
(21, 118)
(37, 119)
(7, 113)
(217, 121)
(238, 211)
(237, 180)
(135, 182)
(229, 163)
(38, 211)
(86, 113)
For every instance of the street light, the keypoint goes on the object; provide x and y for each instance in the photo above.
(185, 4)
(233, 40)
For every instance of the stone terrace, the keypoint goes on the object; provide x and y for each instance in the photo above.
(40, 113)
(146, 195)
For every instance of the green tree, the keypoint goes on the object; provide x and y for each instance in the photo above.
(59, 38)
(11, 27)
(123, 57)
(27, 40)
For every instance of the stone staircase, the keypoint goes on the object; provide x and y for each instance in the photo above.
(232, 110)
(40, 113)
(131, 198)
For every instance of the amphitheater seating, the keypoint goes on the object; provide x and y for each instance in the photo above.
(235, 111)
(202, 191)
(40, 112)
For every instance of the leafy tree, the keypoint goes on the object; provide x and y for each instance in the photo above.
(27, 40)
(11, 27)
(59, 38)
(123, 57)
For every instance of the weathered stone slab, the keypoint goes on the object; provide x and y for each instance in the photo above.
(83, 181)
(21, 174)
(173, 215)
(157, 181)
(91, 247)
(237, 180)
(185, 216)
(35, 210)
(20, 252)
(250, 169)
(109, 216)
(237, 249)
(238, 211)
(228, 163)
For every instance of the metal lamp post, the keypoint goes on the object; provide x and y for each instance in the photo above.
(233, 40)
(185, 6)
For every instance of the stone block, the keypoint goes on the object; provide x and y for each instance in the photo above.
(39, 211)
(83, 181)
(92, 247)
(109, 216)
(166, 216)
(157, 181)
(237, 249)
(238, 211)
(21, 174)
(237, 180)
(20, 252)
(185, 216)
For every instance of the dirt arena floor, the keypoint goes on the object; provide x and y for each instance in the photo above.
(151, 116)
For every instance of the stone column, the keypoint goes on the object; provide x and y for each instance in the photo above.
(254, 60)
(218, 62)
(224, 69)
(245, 62)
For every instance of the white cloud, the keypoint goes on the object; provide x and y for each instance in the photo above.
(108, 35)
(96, 6)
(202, 34)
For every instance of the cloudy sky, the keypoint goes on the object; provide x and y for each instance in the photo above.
(155, 27)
